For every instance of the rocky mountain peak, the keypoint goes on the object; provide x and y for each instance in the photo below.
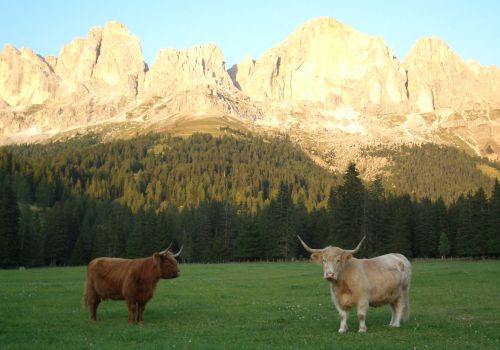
(77, 59)
(323, 26)
(25, 77)
(177, 70)
(430, 49)
(439, 78)
(115, 28)
(327, 85)
(120, 63)
(108, 61)
(328, 62)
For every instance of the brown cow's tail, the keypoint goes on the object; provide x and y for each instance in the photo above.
(84, 298)
(86, 293)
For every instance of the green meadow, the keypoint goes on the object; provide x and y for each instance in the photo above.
(454, 305)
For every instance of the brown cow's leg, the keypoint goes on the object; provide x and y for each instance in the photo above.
(94, 301)
(140, 311)
(131, 311)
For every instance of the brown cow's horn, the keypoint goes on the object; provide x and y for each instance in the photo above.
(166, 250)
(178, 253)
(355, 250)
(306, 247)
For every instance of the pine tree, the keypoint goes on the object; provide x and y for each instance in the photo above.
(350, 211)
(333, 217)
(444, 245)
(493, 233)
(398, 237)
(38, 257)
(201, 229)
(82, 250)
(247, 242)
(27, 236)
(282, 211)
(375, 219)
(135, 239)
(268, 236)
(9, 226)
(426, 235)
(480, 216)
(465, 229)
(56, 234)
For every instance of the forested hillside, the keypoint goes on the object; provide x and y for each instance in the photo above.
(230, 198)
(435, 171)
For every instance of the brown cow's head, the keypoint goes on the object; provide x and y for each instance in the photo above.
(333, 259)
(167, 263)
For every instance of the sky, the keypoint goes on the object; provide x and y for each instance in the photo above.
(471, 28)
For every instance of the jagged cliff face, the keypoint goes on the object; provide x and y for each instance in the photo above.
(102, 78)
(108, 61)
(328, 62)
(77, 59)
(438, 78)
(25, 78)
(179, 70)
(327, 85)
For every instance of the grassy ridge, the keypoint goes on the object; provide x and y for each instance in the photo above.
(251, 306)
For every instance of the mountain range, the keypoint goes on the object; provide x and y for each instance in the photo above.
(332, 89)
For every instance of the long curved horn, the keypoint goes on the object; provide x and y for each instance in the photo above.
(166, 250)
(178, 253)
(355, 250)
(306, 247)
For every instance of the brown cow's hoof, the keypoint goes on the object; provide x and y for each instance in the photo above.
(362, 330)
(343, 331)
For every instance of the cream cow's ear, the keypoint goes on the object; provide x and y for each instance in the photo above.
(346, 256)
(317, 258)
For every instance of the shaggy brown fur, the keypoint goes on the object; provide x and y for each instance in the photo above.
(132, 280)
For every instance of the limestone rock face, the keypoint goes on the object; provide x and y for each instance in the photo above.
(179, 70)
(25, 78)
(120, 63)
(240, 73)
(439, 78)
(78, 58)
(108, 61)
(327, 86)
(328, 62)
(52, 62)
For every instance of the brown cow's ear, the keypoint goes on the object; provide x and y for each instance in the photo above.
(317, 258)
(157, 258)
(346, 256)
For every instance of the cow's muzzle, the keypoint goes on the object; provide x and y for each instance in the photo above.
(330, 276)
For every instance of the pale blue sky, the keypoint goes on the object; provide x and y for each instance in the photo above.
(471, 28)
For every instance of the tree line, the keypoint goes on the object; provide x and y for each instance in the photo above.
(223, 198)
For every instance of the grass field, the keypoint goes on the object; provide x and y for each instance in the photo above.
(454, 305)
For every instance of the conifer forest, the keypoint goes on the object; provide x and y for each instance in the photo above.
(236, 198)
